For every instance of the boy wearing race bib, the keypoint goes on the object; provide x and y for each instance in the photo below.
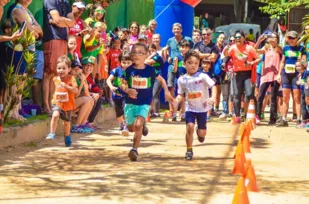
(180, 70)
(288, 75)
(193, 87)
(138, 80)
(63, 99)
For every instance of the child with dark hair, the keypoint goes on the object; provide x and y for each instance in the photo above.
(137, 83)
(193, 88)
(114, 82)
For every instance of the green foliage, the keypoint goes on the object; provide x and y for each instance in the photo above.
(276, 8)
(19, 85)
(14, 122)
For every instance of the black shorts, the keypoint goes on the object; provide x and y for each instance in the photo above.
(3, 67)
(119, 107)
(64, 115)
(289, 81)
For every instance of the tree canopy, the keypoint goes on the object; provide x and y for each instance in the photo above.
(280, 7)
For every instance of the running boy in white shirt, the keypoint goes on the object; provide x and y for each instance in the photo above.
(194, 88)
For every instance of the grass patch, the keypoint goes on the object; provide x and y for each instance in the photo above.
(30, 144)
(12, 123)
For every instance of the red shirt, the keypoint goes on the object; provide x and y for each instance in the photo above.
(77, 28)
(112, 57)
(149, 34)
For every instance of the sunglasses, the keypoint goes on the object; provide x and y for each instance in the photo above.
(237, 37)
(133, 27)
(291, 38)
(206, 34)
(100, 11)
(232, 40)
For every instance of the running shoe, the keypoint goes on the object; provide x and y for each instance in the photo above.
(79, 129)
(301, 125)
(155, 115)
(133, 154)
(223, 116)
(283, 123)
(183, 120)
(68, 141)
(294, 117)
(200, 139)
(208, 118)
(174, 119)
(262, 116)
(257, 120)
(238, 119)
(50, 136)
(189, 155)
(145, 130)
(125, 131)
(87, 128)
(272, 122)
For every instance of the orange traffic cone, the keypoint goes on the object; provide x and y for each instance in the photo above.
(241, 194)
(165, 118)
(246, 142)
(239, 162)
(251, 111)
(247, 131)
(241, 130)
(250, 177)
(148, 119)
(253, 123)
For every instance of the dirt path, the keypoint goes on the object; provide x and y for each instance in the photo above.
(96, 168)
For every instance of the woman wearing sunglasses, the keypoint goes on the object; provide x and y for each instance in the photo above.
(244, 56)
(98, 14)
(133, 33)
(269, 75)
(288, 75)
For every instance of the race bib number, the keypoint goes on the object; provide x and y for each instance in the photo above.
(62, 96)
(194, 96)
(289, 68)
(139, 83)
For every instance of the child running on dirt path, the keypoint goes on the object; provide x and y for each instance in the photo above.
(194, 88)
(114, 82)
(63, 99)
(138, 81)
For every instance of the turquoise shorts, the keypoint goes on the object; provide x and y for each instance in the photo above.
(131, 111)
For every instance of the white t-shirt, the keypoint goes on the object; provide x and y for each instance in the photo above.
(196, 88)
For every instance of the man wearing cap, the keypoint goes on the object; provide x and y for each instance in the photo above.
(288, 75)
(57, 18)
(80, 28)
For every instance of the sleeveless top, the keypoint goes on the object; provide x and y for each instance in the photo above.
(29, 18)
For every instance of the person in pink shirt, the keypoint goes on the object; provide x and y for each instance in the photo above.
(270, 74)
(134, 31)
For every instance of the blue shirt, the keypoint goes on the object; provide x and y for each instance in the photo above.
(118, 74)
(304, 79)
(291, 55)
(181, 69)
(174, 49)
(53, 32)
(158, 65)
(142, 80)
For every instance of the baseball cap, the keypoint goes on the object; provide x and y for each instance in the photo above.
(292, 34)
(88, 60)
(142, 37)
(76, 64)
(79, 4)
